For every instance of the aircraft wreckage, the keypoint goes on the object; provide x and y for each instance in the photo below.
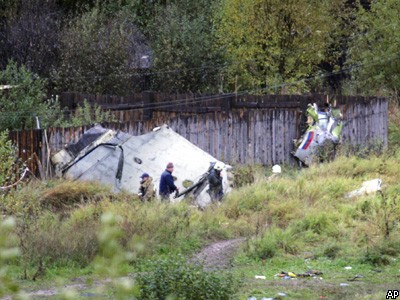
(324, 127)
(118, 159)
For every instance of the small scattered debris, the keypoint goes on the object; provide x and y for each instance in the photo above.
(281, 294)
(377, 270)
(348, 268)
(355, 277)
(344, 284)
(260, 277)
(367, 187)
(291, 275)
(286, 274)
(310, 273)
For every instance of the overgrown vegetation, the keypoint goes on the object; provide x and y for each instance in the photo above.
(174, 278)
(118, 47)
(23, 104)
(7, 253)
(300, 212)
(9, 161)
(300, 220)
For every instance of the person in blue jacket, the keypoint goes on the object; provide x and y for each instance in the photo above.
(167, 185)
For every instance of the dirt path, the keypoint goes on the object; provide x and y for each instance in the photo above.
(218, 255)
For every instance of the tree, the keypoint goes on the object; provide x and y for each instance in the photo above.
(336, 52)
(270, 42)
(24, 100)
(101, 54)
(30, 35)
(374, 54)
(183, 43)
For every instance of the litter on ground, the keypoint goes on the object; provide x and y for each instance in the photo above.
(367, 187)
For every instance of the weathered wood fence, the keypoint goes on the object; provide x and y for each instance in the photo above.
(235, 129)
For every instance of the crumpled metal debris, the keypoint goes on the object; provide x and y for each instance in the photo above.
(323, 126)
(367, 187)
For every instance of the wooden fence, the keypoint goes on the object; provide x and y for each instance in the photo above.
(235, 129)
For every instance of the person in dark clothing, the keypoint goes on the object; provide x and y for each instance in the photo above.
(215, 182)
(167, 185)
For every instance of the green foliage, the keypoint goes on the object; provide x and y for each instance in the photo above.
(112, 259)
(174, 278)
(384, 211)
(331, 251)
(394, 127)
(8, 8)
(382, 253)
(87, 114)
(8, 164)
(274, 241)
(100, 54)
(268, 42)
(183, 42)
(7, 253)
(243, 175)
(320, 224)
(24, 101)
(301, 213)
(375, 49)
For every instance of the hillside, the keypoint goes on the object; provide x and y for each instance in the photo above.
(299, 222)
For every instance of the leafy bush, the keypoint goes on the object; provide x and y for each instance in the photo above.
(112, 259)
(243, 175)
(100, 53)
(381, 253)
(394, 126)
(331, 251)
(318, 223)
(7, 253)
(25, 100)
(174, 277)
(8, 162)
(87, 114)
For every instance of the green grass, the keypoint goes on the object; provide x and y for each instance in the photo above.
(299, 221)
(374, 280)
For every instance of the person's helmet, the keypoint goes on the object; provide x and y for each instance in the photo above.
(219, 166)
(276, 169)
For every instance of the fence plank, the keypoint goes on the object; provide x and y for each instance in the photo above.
(238, 135)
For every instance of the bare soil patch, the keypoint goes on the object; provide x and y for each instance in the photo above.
(218, 255)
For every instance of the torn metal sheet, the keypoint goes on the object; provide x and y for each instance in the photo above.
(324, 126)
(118, 159)
(367, 187)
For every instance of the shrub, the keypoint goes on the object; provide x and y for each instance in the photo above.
(318, 223)
(377, 255)
(25, 100)
(243, 175)
(88, 114)
(67, 194)
(331, 251)
(274, 241)
(175, 277)
(7, 253)
(8, 162)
